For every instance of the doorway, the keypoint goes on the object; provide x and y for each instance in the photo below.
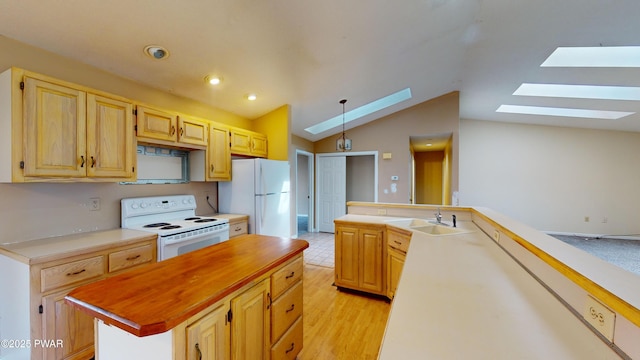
(431, 158)
(343, 177)
(304, 193)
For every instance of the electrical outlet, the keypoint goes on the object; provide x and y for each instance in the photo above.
(600, 317)
(496, 235)
(586, 219)
(382, 211)
(94, 204)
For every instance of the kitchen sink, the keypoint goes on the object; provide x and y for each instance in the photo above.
(430, 227)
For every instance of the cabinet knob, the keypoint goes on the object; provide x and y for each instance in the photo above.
(181, 131)
(290, 349)
(82, 158)
(93, 162)
(173, 130)
(198, 352)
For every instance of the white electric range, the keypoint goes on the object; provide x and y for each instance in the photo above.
(173, 218)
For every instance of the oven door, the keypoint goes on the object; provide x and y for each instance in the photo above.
(172, 246)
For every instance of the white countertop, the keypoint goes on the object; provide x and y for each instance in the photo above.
(37, 251)
(463, 297)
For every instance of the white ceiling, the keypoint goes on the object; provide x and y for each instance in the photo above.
(311, 54)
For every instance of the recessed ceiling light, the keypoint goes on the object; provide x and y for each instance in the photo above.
(429, 144)
(598, 56)
(251, 97)
(551, 111)
(156, 52)
(213, 80)
(580, 91)
(361, 111)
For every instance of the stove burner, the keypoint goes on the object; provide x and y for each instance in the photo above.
(169, 227)
(205, 220)
(192, 218)
(155, 225)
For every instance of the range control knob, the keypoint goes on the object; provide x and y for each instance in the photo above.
(134, 206)
(143, 205)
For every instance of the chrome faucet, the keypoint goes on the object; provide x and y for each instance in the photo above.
(439, 217)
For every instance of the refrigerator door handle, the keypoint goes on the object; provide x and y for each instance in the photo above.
(262, 213)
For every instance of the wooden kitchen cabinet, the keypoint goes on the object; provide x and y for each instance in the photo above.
(73, 133)
(360, 257)
(159, 127)
(208, 336)
(45, 280)
(249, 143)
(238, 226)
(251, 323)
(397, 246)
(218, 154)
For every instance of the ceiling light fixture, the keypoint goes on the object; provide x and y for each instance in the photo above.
(213, 80)
(156, 52)
(342, 143)
(252, 97)
(566, 112)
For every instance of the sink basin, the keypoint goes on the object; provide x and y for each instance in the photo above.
(426, 226)
(438, 230)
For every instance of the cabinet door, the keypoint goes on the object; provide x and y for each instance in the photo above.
(259, 145)
(192, 131)
(208, 337)
(346, 253)
(371, 246)
(219, 154)
(240, 142)
(395, 263)
(251, 323)
(54, 130)
(156, 124)
(110, 143)
(68, 326)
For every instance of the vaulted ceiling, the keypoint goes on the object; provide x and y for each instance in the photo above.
(311, 54)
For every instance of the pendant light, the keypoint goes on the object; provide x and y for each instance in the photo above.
(343, 144)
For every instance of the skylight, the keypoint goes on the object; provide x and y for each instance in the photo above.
(550, 111)
(601, 56)
(361, 111)
(579, 91)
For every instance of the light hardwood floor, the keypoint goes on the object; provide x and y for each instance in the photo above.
(337, 324)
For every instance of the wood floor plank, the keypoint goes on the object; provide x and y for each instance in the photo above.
(337, 324)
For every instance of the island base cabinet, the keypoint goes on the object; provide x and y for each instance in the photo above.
(208, 337)
(359, 252)
(288, 347)
(251, 323)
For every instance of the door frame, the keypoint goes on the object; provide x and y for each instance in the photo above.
(346, 154)
(311, 211)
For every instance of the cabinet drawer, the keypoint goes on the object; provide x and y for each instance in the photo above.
(398, 241)
(124, 259)
(72, 272)
(282, 279)
(285, 310)
(291, 343)
(237, 229)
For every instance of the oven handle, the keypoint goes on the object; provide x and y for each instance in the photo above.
(205, 235)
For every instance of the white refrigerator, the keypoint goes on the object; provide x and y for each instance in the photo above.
(259, 188)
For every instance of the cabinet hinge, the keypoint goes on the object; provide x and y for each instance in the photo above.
(229, 315)
(21, 164)
(40, 309)
(135, 112)
(21, 85)
(135, 127)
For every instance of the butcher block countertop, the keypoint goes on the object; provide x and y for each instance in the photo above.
(48, 249)
(158, 297)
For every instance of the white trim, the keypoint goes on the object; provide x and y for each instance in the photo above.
(311, 168)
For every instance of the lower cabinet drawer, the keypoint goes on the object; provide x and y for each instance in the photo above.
(282, 279)
(285, 310)
(124, 259)
(237, 229)
(72, 272)
(291, 343)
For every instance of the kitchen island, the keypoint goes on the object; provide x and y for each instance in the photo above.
(190, 305)
(497, 289)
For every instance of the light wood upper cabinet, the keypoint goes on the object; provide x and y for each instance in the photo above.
(165, 128)
(249, 143)
(55, 130)
(218, 154)
(73, 133)
(192, 131)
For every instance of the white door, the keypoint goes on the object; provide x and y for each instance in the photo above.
(332, 194)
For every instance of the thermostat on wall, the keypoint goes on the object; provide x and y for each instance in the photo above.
(394, 178)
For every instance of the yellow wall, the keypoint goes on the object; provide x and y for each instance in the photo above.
(429, 177)
(276, 126)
